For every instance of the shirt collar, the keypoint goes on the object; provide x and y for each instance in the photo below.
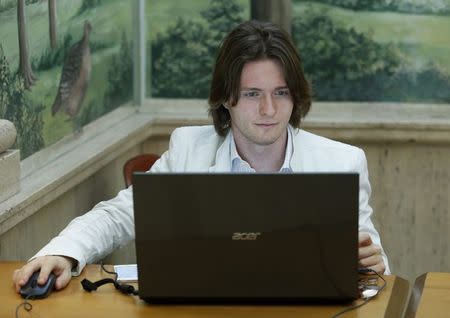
(240, 165)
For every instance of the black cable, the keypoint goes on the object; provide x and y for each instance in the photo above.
(123, 288)
(369, 270)
(109, 272)
(363, 270)
(26, 305)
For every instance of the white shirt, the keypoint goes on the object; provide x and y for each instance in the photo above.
(239, 165)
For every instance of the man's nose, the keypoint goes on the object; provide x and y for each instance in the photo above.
(267, 105)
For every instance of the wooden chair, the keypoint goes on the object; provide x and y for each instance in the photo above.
(142, 162)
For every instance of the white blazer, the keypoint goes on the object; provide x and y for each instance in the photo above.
(110, 224)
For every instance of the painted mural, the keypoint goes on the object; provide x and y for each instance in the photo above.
(62, 64)
(380, 50)
(65, 63)
(353, 50)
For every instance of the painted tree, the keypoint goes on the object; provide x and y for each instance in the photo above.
(16, 107)
(275, 11)
(52, 22)
(24, 65)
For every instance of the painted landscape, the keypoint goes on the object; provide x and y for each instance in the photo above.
(381, 50)
(353, 50)
(110, 54)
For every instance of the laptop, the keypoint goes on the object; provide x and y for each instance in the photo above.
(246, 238)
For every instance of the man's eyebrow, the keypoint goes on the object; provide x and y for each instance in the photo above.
(251, 89)
(259, 89)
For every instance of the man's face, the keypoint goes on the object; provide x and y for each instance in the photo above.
(264, 107)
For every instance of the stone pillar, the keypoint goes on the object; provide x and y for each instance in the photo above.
(9, 161)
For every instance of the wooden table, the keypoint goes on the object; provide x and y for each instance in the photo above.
(430, 296)
(73, 301)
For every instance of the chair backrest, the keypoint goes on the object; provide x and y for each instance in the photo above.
(142, 162)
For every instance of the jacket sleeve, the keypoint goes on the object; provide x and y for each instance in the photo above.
(108, 226)
(365, 211)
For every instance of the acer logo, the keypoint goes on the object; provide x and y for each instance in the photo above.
(245, 236)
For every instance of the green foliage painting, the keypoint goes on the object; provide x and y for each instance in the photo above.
(17, 108)
(357, 50)
(357, 55)
(40, 80)
(182, 58)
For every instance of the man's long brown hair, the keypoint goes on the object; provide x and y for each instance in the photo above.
(252, 41)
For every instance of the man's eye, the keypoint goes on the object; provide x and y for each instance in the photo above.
(282, 92)
(250, 94)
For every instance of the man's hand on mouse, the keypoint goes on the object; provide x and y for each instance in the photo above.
(369, 254)
(61, 266)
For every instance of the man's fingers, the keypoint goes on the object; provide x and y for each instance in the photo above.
(63, 279)
(370, 257)
(367, 251)
(379, 268)
(16, 279)
(28, 270)
(364, 239)
(46, 269)
(22, 275)
(59, 265)
(371, 261)
(15, 274)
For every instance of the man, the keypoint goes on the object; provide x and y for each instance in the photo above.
(258, 96)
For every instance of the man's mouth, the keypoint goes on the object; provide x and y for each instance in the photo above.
(266, 124)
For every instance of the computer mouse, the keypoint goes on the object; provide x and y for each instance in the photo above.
(32, 290)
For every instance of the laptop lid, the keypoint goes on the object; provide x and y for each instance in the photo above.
(246, 237)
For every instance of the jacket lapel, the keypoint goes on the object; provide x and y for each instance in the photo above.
(223, 159)
(297, 159)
